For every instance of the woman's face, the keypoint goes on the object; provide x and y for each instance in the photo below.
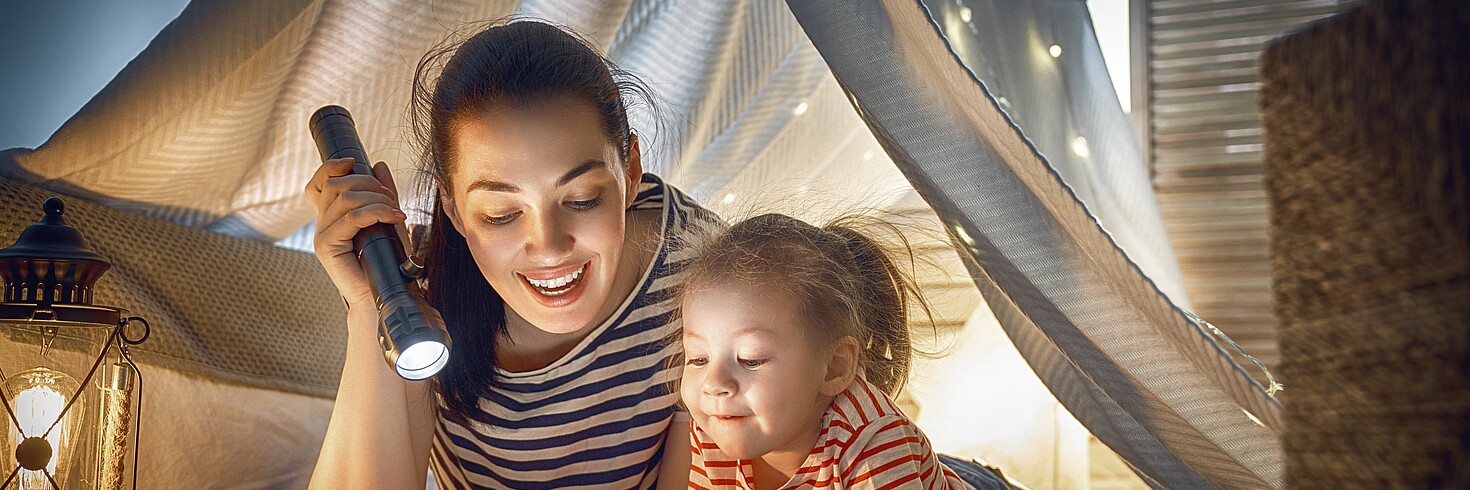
(539, 194)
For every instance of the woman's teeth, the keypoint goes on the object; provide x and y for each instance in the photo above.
(557, 286)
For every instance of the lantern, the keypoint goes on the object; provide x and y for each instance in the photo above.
(66, 377)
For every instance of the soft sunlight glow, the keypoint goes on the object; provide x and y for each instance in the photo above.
(800, 109)
(38, 396)
(1055, 50)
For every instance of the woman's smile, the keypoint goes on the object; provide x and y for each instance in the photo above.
(555, 287)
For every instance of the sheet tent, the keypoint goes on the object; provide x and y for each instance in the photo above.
(201, 145)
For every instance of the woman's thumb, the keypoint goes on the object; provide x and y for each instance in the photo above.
(385, 176)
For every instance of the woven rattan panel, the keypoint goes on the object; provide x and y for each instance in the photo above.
(221, 307)
(1367, 120)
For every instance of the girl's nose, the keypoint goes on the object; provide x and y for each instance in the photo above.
(718, 383)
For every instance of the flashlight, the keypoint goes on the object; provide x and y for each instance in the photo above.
(410, 331)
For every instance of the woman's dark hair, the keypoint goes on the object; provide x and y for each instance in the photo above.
(846, 282)
(506, 64)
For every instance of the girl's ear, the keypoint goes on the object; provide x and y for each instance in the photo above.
(634, 169)
(842, 369)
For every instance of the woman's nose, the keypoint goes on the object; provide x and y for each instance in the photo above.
(550, 240)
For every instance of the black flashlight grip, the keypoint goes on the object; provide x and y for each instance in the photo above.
(403, 313)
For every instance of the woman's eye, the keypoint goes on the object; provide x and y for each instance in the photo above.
(502, 219)
(697, 361)
(752, 363)
(585, 204)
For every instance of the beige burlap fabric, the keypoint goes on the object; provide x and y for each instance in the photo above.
(225, 308)
(1366, 162)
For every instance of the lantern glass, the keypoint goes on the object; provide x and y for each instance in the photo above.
(45, 369)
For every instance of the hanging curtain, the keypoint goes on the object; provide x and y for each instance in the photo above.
(1047, 229)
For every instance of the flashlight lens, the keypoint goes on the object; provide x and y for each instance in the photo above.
(422, 359)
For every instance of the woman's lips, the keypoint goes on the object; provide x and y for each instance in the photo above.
(548, 274)
(562, 295)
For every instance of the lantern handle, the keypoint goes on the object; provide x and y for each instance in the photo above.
(122, 330)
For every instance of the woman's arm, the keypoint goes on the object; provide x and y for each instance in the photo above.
(382, 425)
(673, 470)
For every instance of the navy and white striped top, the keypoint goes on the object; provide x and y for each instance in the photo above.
(595, 418)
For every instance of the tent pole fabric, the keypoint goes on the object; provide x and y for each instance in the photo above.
(1116, 352)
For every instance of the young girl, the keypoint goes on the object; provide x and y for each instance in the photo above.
(794, 338)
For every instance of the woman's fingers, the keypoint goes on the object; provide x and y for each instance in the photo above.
(335, 236)
(352, 201)
(336, 187)
(336, 167)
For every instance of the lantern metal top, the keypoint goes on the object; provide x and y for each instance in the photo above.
(49, 273)
(53, 239)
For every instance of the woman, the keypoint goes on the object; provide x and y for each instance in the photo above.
(551, 257)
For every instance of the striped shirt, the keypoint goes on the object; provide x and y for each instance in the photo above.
(866, 443)
(596, 417)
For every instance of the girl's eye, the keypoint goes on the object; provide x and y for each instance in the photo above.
(586, 204)
(752, 363)
(502, 219)
(697, 361)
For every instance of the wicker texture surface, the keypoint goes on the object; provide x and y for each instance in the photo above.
(225, 308)
(1366, 154)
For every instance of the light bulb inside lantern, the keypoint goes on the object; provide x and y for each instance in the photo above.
(38, 397)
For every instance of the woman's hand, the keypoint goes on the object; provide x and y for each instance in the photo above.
(345, 204)
(375, 411)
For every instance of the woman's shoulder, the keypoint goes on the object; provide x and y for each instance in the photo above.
(685, 220)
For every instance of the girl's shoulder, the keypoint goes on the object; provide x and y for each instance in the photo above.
(861, 409)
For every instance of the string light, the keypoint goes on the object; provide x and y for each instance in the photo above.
(1079, 146)
(1055, 50)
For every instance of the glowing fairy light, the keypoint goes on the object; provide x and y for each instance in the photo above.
(1055, 50)
(964, 236)
(800, 109)
(1079, 146)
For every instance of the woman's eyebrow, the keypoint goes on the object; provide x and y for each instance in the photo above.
(497, 186)
(585, 167)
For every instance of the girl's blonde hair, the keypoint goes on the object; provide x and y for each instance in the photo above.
(846, 282)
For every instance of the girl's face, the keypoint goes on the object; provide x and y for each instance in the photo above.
(752, 380)
(539, 194)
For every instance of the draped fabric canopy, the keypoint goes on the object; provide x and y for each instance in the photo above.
(1103, 336)
(207, 128)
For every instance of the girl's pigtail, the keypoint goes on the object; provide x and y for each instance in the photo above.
(882, 308)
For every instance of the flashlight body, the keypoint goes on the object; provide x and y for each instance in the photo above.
(404, 317)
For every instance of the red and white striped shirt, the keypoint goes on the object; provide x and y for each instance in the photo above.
(866, 443)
